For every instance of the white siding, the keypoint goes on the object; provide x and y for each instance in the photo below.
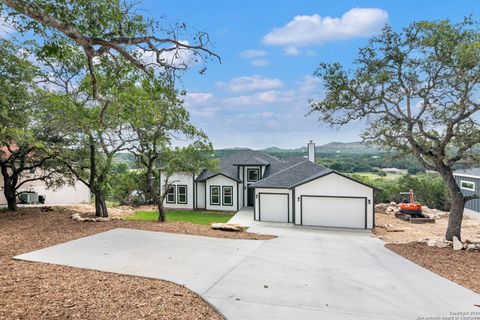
(271, 190)
(333, 212)
(221, 181)
(240, 195)
(67, 194)
(200, 196)
(179, 178)
(335, 185)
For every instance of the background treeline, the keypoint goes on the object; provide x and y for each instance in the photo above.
(429, 189)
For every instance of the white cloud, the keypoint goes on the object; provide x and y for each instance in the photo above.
(314, 29)
(253, 53)
(202, 104)
(309, 84)
(292, 51)
(260, 62)
(182, 58)
(262, 98)
(248, 84)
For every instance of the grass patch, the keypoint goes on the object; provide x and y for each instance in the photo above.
(374, 176)
(197, 217)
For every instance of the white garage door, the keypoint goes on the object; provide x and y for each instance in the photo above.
(333, 212)
(273, 207)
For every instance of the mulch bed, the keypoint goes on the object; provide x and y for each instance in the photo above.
(42, 291)
(462, 267)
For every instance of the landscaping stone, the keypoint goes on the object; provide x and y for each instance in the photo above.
(226, 227)
(457, 244)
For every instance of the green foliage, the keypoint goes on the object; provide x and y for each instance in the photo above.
(430, 190)
(122, 182)
(197, 217)
(417, 90)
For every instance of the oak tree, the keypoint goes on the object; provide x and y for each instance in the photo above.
(418, 92)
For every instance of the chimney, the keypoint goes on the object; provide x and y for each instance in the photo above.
(311, 151)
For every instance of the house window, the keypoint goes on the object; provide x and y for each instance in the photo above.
(171, 194)
(253, 175)
(182, 194)
(467, 185)
(227, 196)
(215, 195)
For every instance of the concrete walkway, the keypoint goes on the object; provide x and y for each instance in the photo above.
(302, 274)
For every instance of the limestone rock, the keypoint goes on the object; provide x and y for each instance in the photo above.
(226, 227)
(76, 217)
(457, 244)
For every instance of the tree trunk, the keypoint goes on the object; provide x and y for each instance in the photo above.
(100, 205)
(10, 196)
(455, 220)
(9, 184)
(161, 213)
(458, 202)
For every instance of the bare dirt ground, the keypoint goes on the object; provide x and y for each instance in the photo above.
(408, 240)
(42, 291)
(462, 267)
(417, 232)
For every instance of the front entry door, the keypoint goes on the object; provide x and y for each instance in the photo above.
(250, 196)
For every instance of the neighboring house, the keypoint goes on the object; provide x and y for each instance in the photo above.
(469, 182)
(66, 194)
(294, 190)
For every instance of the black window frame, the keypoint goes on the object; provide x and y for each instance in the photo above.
(178, 193)
(219, 196)
(223, 196)
(174, 194)
(254, 170)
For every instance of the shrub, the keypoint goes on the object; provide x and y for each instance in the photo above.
(430, 190)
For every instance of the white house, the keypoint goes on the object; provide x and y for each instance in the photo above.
(67, 194)
(294, 190)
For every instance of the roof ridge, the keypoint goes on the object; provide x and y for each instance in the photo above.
(285, 169)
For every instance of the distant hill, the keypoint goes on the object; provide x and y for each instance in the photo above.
(348, 147)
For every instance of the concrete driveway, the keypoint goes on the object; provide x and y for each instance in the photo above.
(303, 274)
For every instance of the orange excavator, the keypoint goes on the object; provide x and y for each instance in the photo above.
(410, 206)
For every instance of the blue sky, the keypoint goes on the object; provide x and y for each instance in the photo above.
(257, 97)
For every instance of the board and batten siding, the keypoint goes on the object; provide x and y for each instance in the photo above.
(200, 195)
(335, 185)
(268, 191)
(221, 181)
(473, 205)
(179, 178)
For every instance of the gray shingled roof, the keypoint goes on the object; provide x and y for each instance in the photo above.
(228, 165)
(285, 173)
(470, 172)
(292, 175)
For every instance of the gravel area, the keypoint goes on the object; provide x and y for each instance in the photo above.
(42, 291)
(462, 267)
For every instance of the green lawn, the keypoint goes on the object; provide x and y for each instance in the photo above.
(371, 175)
(198, 217)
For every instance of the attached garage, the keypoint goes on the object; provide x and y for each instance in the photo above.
(329, 211)
(309, 195)
(273, 206)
